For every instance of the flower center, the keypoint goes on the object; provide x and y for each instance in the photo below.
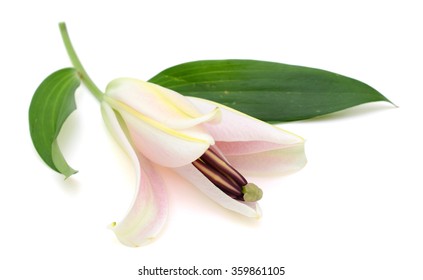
(227, 178)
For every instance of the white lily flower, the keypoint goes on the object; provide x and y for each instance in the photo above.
(207, 143)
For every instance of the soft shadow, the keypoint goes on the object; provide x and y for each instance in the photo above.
(70, 185)
(198, 200)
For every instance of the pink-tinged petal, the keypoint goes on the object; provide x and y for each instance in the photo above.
(148, 212)
(253, 146)
(244, 133)
(249, 209)
(282, 161)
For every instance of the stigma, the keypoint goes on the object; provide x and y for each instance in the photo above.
(227, 178)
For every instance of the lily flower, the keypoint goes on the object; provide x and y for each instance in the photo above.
(209, 144)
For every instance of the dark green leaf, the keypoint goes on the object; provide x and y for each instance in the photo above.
(267, 90)
(51, 105)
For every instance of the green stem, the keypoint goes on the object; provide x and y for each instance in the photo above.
(77, 64)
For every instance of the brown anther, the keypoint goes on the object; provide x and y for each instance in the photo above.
(226, 178)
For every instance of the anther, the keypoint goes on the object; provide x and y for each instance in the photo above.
(226, 178)
(221, 181)
(219, 163)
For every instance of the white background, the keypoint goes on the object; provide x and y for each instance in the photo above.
(354, 212)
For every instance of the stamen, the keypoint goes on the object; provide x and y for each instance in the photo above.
(219, 163)
(218, 179)
(227, 178)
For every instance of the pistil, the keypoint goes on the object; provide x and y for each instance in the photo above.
(226, 177)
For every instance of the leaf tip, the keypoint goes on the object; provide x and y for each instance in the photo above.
(69, 173)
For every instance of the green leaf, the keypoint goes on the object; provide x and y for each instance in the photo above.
(266, 90)
(52, 103)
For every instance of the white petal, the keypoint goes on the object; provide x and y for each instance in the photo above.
(118, 134)
(158, 103)
(249, 209)
(148, 212)
(167, 147)
(164, 125)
